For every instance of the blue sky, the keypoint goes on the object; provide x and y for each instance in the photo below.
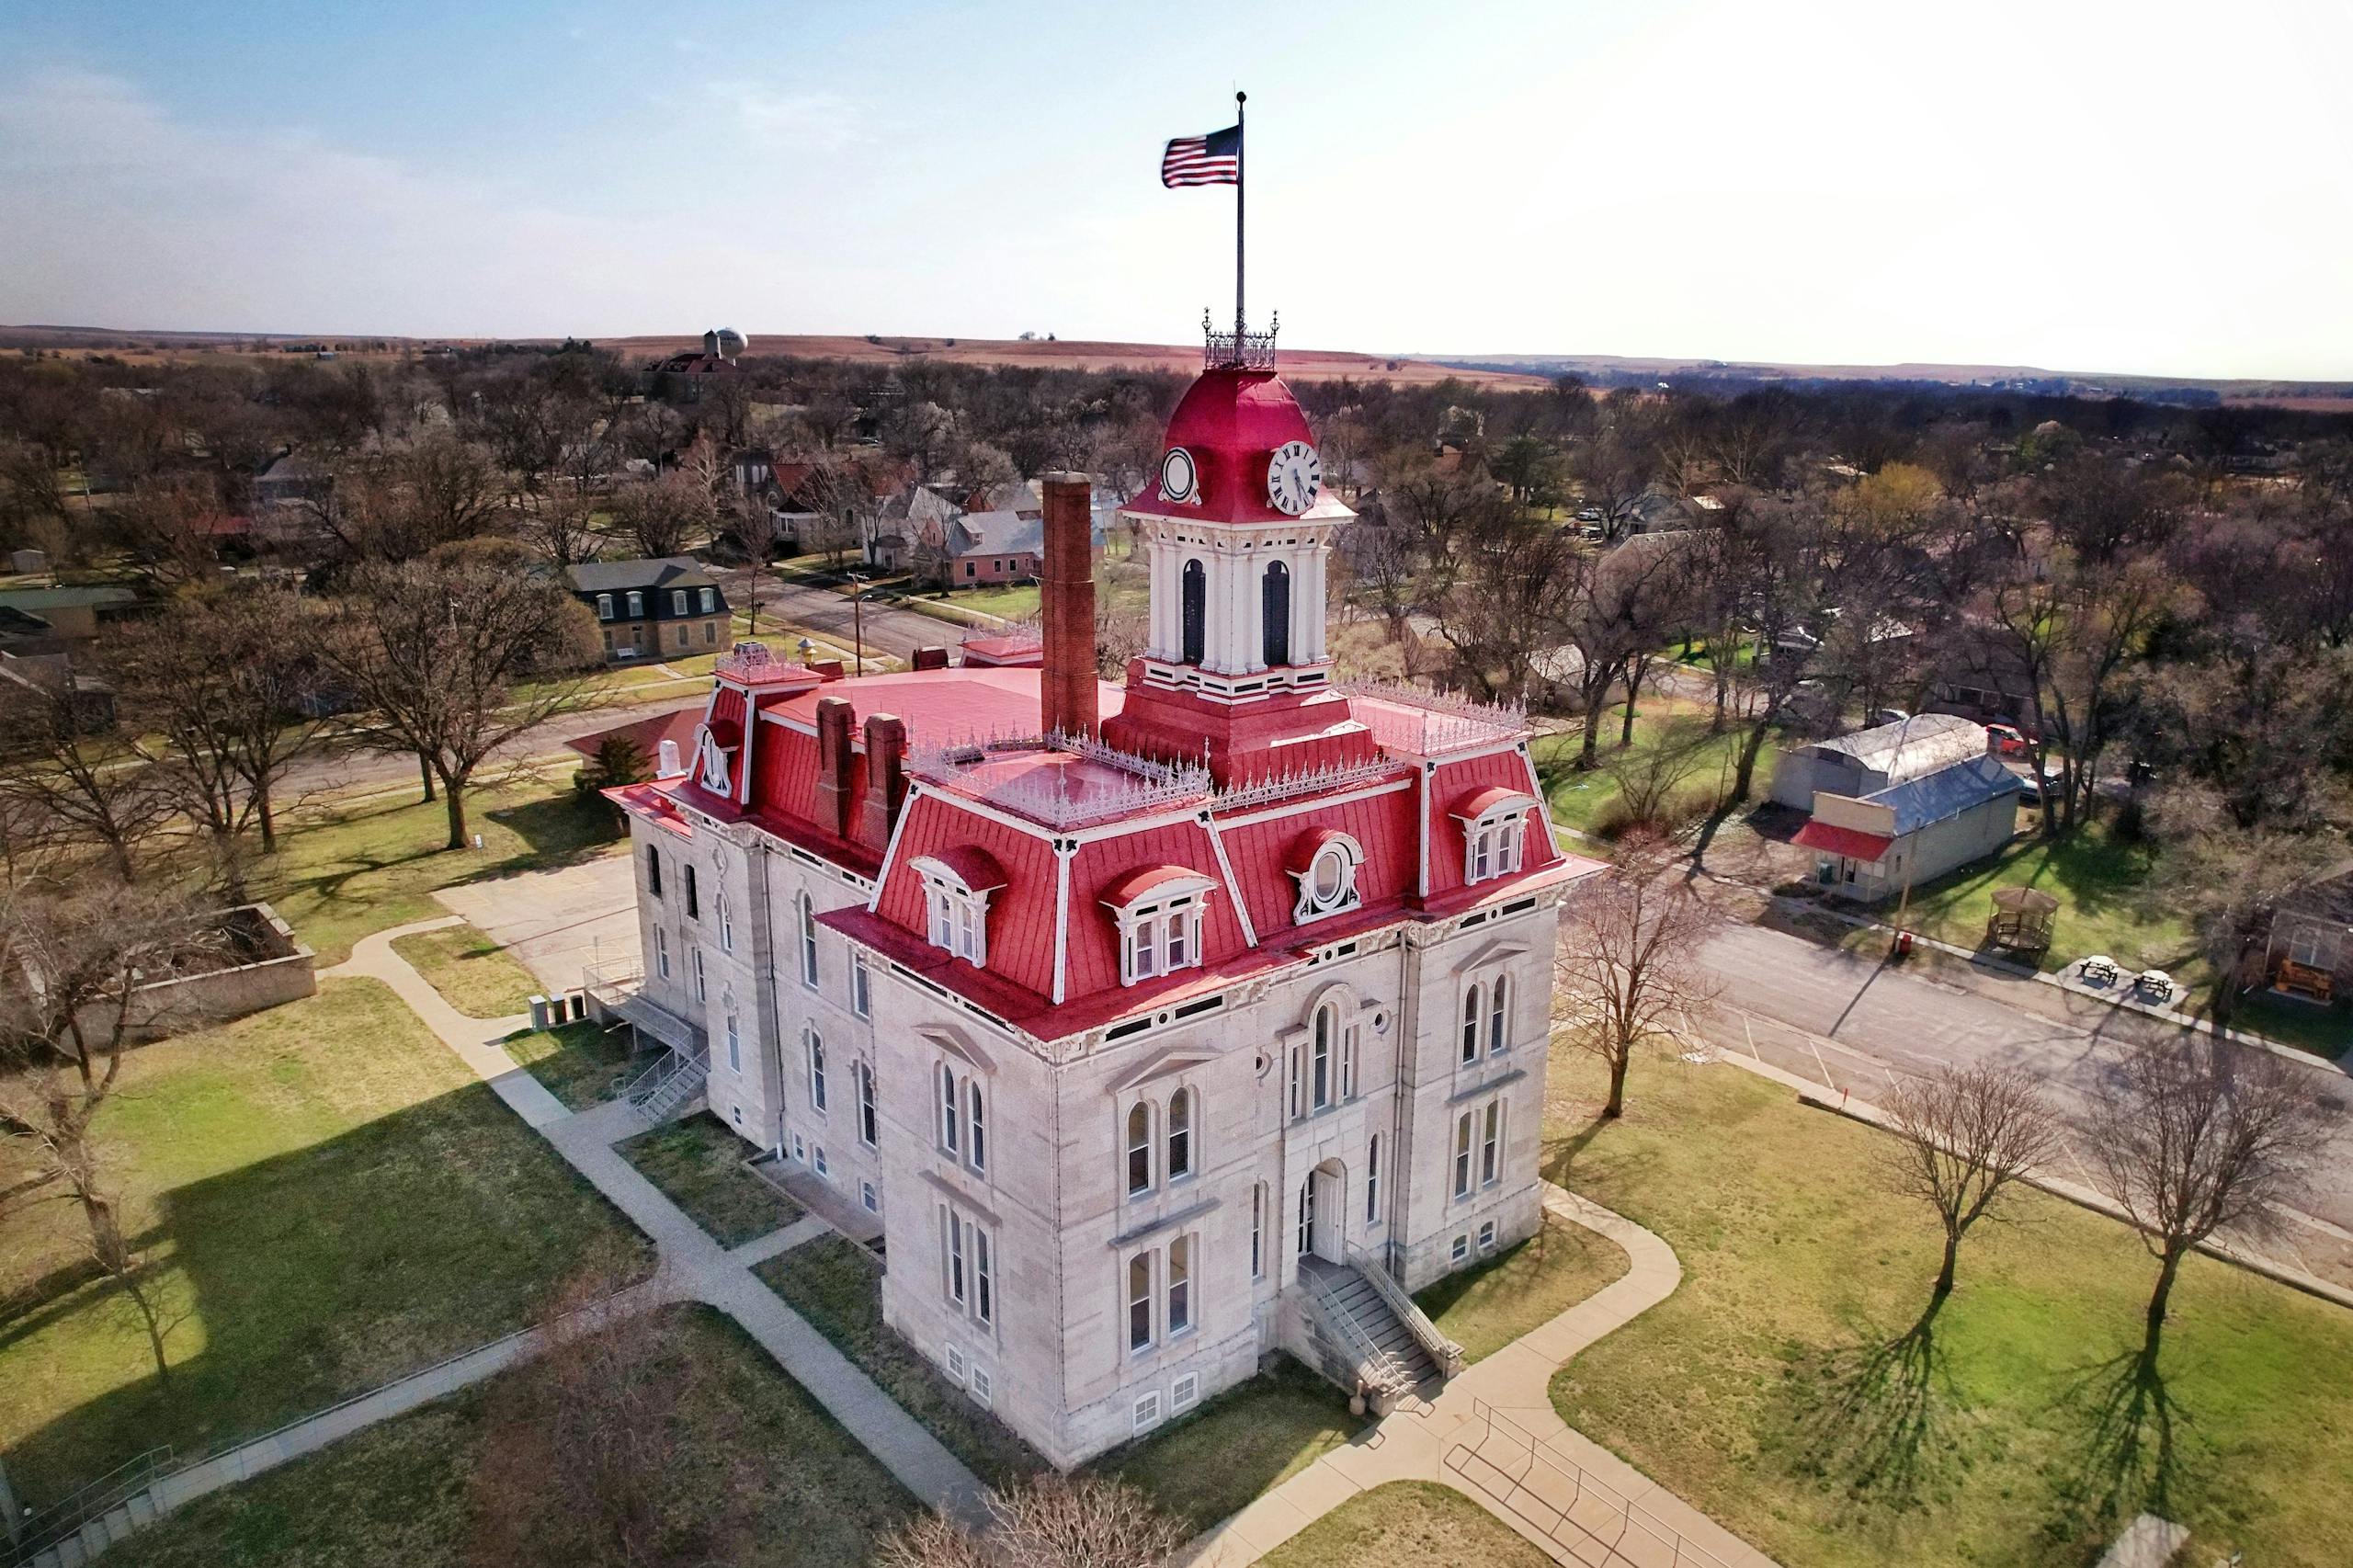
(2142, 188)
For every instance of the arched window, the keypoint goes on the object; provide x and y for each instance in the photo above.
(1139, 1148)
(1139, 1300)
(950, 1131)
(1195, 599)
(808, 941)
(1180, 1134)
(1258, 1232)
(1372, 1180)
(1307, 1216)
(1462, 1156)
(1471, 1025)
(816, 1071)
(726, 925)
(1491, 1146)
(978, 1149)
(1499, 1014)
(1274, 603)
(1323, 1057)
(1180, 1284)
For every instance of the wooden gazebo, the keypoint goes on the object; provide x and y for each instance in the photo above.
(2021, 920)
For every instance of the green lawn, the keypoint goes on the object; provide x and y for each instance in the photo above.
(474, 974)
(698, 1164)
(1485, 1308)
(2098, 880)
(1212, 1461)
(363, 865)
(337, 1201)
(1577, 800)
(581, 1065)
(763, 1476)
(837, 1285)
(1792, 1387)
(1012, 601)
(2324, 1031)
(1417, 1522)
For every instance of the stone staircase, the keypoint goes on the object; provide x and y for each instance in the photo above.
(71, 1533)
(1366, 1337)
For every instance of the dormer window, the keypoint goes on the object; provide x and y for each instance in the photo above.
(1159, 914)
(1324, 862)
(956, 888)
(1494, 823)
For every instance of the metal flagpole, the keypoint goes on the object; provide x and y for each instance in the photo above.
(1240, 147)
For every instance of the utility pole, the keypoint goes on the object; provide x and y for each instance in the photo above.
(857, 620)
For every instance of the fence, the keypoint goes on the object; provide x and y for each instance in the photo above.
(1560, 1500)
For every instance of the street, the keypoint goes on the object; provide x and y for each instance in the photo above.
(1854, 1023)
(787, 608)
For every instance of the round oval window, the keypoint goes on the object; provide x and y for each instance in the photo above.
(1331, 876)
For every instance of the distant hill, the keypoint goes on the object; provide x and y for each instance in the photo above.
(1305, 364)
(1613, 370)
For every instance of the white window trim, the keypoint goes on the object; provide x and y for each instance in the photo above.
(955, 915)
(808, 918)
(812, 1051)
(604, 607)
(1493, 842)
(1160, 932)
(1308, 907)
(861, 986)
(703, 986)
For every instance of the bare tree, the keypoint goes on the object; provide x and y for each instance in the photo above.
(456, 656)
(1629, 959)
(2196, 1136)
(1055, 1521)
(1963, 1137)
(72, 969)
(659, 517)
(562, 523)
(72, 771)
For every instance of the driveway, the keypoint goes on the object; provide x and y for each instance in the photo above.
(1854, 1022)
(557, 921)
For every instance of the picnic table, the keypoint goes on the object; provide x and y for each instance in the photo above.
(2099, 969)
(2155, 982)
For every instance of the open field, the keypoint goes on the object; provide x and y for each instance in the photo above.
(1418, 1522)
(336, 1202)
(344, 869)
(755, 1473)
(1793, 1389)
(837, 1285)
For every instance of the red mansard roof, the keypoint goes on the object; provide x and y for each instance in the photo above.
(975, 868)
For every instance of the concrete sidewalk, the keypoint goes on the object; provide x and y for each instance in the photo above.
(1493, 1435)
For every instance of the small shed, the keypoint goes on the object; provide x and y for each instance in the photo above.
(1870, 760)
(2021, 920)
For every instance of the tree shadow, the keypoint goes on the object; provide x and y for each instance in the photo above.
(2128, 1445)
(1557, 1158)
(1873, 1417)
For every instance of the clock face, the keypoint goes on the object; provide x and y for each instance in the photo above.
(1294, 476)
(1176, 475)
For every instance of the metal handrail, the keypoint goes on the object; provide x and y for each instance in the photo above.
(70, 1513)
(1442, 1350)
(648, 1084)
(1389, 1372)
(1683, 1551)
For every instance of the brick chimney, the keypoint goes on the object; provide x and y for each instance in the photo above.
(1066, 693)
(834, 797)
(886, 779)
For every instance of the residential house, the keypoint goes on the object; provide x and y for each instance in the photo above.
(2307, 944)
(65, 615)
(1870, 760)
(665, 608)
(1868, 847)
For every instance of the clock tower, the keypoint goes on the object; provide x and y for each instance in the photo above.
(1237, 529)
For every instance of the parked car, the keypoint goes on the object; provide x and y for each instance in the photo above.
(1588, 513)
(2033, 790)
(1888, 716)
(2008, 739)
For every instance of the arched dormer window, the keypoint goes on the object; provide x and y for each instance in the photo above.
(1324, 862)
(1274, 603)
(956, 888)
(1194, 601)
(1495, 821)
(1159, 914)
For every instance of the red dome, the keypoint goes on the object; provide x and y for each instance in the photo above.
(1230, 420)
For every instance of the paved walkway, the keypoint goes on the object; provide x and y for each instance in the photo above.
(697, 1268)
(1493, 1435)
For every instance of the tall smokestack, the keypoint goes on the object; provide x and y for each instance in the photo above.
(1066, 695)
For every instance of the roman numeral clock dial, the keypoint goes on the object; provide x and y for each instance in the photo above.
(1294, 478)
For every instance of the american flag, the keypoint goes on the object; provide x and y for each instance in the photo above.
(1214, 159)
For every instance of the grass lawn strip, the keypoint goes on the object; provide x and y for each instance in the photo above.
(582, 1064)
(698, 1165)
(1577, 800)
(1485, 1308)
(779, 1484)
(336, 1202)
(1210, 1463)
(474, 974)
(1417, 1522)
(837, 1285)
(1792, 1390)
